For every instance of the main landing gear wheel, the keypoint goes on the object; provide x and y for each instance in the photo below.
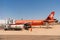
(27, 26)
(47, 25)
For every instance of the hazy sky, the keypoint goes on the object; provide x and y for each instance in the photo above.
(29, 9)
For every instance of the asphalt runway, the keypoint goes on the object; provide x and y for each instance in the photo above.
(29, 37)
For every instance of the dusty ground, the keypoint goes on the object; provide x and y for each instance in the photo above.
(28, 37)
(36, 34)
(55, 30)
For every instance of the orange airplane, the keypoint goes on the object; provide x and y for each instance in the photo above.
(29, 23)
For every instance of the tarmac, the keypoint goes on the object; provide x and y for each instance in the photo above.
(37, 33)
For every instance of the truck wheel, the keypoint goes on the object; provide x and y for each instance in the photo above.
(5, 29)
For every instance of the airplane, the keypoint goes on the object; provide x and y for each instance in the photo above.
(31, 23)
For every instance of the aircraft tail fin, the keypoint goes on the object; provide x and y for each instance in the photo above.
(51, 16)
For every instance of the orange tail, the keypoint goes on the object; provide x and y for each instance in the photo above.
(51, 16)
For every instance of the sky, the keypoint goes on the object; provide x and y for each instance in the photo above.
(29, 9)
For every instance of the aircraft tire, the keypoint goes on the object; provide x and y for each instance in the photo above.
(27, 26)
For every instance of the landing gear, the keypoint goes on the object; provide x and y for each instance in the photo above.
(27, 26)
(47, 25)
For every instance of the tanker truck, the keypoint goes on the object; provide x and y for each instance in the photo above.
(9, 24)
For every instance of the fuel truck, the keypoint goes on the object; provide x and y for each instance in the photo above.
(9, 24)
